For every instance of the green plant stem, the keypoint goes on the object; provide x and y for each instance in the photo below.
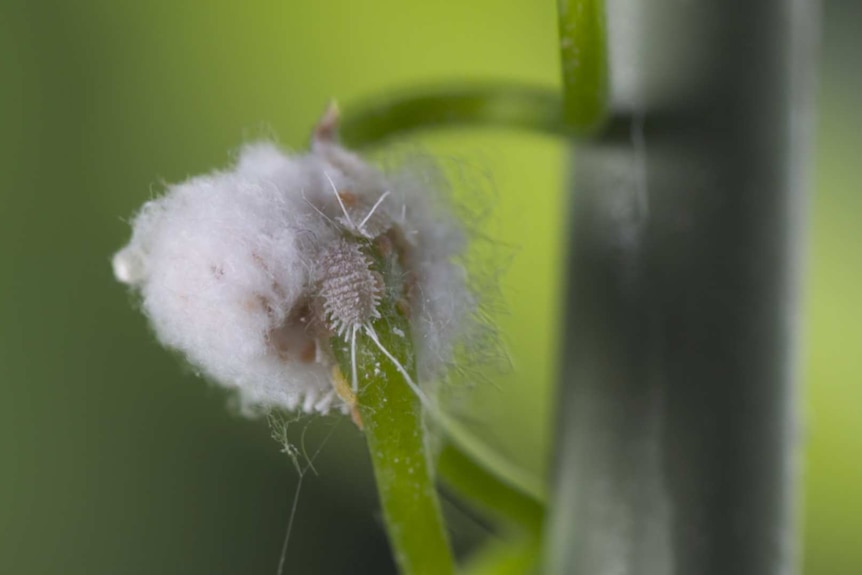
(396, 441)
(489, 491)
(518, 557)
(503, 105)
(512, 106)
(583, 59)
(392, 416)
(462, 440)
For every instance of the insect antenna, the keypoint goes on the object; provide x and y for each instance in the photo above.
(340, 202)
(373, 208)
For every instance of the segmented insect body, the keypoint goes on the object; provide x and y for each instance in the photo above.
(350, 290)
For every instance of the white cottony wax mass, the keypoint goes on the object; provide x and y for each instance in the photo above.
(250, 271)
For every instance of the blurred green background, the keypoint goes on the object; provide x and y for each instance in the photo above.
(115, 459)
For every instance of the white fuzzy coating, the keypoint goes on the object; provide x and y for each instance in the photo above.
(228, 266)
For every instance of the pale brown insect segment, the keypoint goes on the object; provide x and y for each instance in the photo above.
(347, 395)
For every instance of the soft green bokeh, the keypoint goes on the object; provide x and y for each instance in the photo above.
(113, 459)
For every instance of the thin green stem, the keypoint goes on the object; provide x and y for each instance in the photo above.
(489, 491)
(503, 105)
(584, 62)
(464, 441)
(517, 557)
(512, 106)
(392, 416)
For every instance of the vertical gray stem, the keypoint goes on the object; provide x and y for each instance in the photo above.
(678, 439)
